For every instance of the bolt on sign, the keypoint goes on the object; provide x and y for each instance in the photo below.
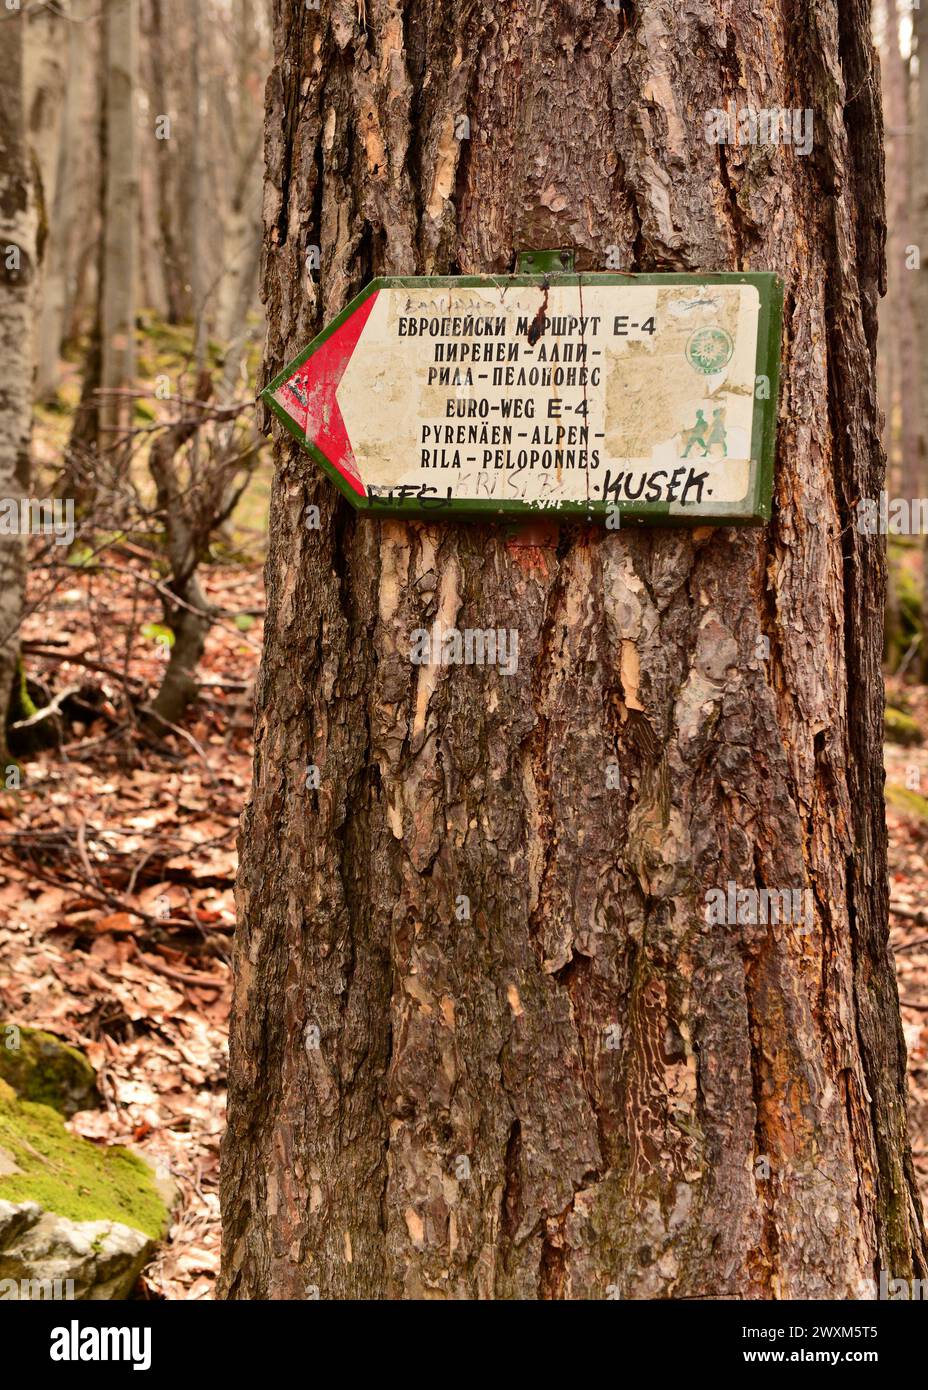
(651, 395)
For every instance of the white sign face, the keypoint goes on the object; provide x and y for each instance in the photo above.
(580, 393)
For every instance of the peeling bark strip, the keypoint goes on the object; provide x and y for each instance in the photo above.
(485, 1041)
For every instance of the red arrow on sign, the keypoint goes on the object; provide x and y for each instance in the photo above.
(308, 396)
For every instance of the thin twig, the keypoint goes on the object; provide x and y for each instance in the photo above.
(911, 914)
(197, 981)
(54, 707)
(175, 728)
(86, 890)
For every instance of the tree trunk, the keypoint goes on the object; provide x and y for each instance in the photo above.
(484, 1041)
(241, 230)
(152, 278)
(18, 270)
(79, 476)
(888, 361)
(172, 261)
(65, 219)
(900, 340)
(121, 218)
(198, 267)
(191, 617)
(920, 188)
(46, 79)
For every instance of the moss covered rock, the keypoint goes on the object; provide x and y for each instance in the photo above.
(69, 1175)
(42, 1068)
(70, 1210)
(901, 728)
(44, 1256)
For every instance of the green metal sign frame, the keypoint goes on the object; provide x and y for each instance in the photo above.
(756, 511)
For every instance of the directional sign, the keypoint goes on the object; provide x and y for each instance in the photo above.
(651, 397)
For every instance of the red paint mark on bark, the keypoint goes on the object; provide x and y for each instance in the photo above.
(530, 544)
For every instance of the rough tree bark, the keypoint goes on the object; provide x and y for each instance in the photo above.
(18, 270)
(619, 1076)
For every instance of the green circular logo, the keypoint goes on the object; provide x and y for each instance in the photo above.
(709, 350)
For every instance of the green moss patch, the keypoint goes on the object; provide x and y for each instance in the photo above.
(22, 706)
(71, 1177)
(42, 1068)
(901, 728)
(908, 803)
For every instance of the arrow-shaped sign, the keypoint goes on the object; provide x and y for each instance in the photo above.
(649, 396)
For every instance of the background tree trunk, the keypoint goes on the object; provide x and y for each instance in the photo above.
(197, 155)
(172, 261)
(152, 273)
(81, 463)
(66, 220)
(920, 214)
(18, 271)
(244, 140)
(920, 190)
(121, 216)
(896, 318)
(897, 360)
(901, 274)
(46, 79)
(581, 1084)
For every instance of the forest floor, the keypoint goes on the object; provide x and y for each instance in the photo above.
(117, 865)
(907, 821)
